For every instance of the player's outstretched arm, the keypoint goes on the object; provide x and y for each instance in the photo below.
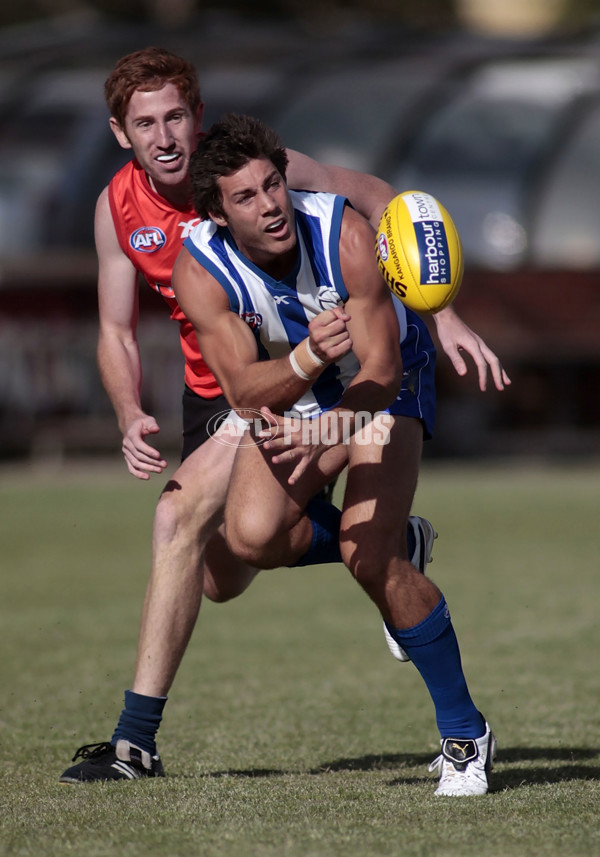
(118, 351)
(456, 337)
(368, 194)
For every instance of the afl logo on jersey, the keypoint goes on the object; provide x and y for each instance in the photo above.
(147, 239)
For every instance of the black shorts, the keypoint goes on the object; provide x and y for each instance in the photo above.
(200, 419)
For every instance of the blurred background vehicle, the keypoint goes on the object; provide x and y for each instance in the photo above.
(503, 132)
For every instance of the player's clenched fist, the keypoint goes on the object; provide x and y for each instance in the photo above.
(329, 335)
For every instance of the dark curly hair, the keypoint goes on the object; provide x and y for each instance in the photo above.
(228, 145)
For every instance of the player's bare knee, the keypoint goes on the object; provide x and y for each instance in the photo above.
(241, 542)
(248, 548)
(255, 549)
(173, 518)
(247, 536)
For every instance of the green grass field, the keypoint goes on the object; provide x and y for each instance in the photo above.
(290, 731)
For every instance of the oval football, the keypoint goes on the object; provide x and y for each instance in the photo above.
(419, 252)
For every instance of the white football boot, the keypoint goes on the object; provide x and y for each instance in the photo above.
(425, 536)
(464, 765)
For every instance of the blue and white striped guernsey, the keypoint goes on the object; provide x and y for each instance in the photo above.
(278, 311)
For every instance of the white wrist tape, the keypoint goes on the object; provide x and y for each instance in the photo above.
(297, 368)
(316, 360)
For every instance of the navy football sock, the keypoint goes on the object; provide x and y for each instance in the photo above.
(433, 648)
(325, 544)
(139, 720)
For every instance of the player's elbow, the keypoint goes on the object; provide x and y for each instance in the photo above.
(239, 399)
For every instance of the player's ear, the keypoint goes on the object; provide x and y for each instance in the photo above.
(219, 219)
(119, 133)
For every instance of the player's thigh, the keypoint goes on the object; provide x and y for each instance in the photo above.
(259, 495)
(197, 489)
(383, 470)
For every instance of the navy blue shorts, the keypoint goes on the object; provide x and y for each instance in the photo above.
(417, 394)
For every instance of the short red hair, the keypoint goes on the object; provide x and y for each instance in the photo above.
(150, 69)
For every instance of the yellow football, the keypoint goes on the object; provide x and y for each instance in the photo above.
(419, 252)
